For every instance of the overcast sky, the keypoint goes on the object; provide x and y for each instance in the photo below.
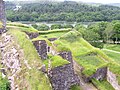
(95, 1)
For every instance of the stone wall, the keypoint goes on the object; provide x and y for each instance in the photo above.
(100, 74)
(67, 56)
(111, 78)
(42, 48)
(63, 77)
(2, 17)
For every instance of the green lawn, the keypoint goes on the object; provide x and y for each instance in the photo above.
(113, 55)
(114, 47)
(102, 85)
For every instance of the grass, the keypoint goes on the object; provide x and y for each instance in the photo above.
(113, 55)
(35, 79)
(102, 85)
(21, 27)
(75, 87)
(4, 83)
(52, 35)
(56, 61)
(41, 38)
(55, 31)
(114, 47)
(83, 53)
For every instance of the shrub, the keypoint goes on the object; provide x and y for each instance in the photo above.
(43, 27)
(34, 26)
(56, 26)
(97, 44)
(67, 26)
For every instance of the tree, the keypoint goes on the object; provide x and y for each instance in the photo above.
(117, 31)
(108, 33)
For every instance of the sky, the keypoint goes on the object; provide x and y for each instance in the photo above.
(95, 1)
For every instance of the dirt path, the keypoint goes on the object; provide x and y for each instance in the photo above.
(84, 86)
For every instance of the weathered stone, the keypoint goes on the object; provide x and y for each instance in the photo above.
(111, 78)
(32, 35)
(100, 74)
(67, 56)
(63, 77)
(41, 47)
(2, 17)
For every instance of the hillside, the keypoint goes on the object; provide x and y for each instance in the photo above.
(61, 11)
(55, 60)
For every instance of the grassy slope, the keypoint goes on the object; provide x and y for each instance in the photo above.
(81, 49)
(114, 47)
(36, 79)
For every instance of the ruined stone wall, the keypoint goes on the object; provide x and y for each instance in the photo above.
(42, 48)
(32, 35)
(63, 77)
(111, 78)
(2, 17)
(67, 56)
(100, 74)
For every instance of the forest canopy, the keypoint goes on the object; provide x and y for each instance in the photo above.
(62, 11)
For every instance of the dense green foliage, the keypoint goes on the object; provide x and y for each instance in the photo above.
(4, 84)
(42, 27)
(62, 11)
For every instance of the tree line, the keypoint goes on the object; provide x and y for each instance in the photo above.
(62, 11)
(101, 33)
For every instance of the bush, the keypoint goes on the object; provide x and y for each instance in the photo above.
(97, 44)
(4, 84)
(43, 27)
(56, 26)
(34, 26)
(67, 26)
